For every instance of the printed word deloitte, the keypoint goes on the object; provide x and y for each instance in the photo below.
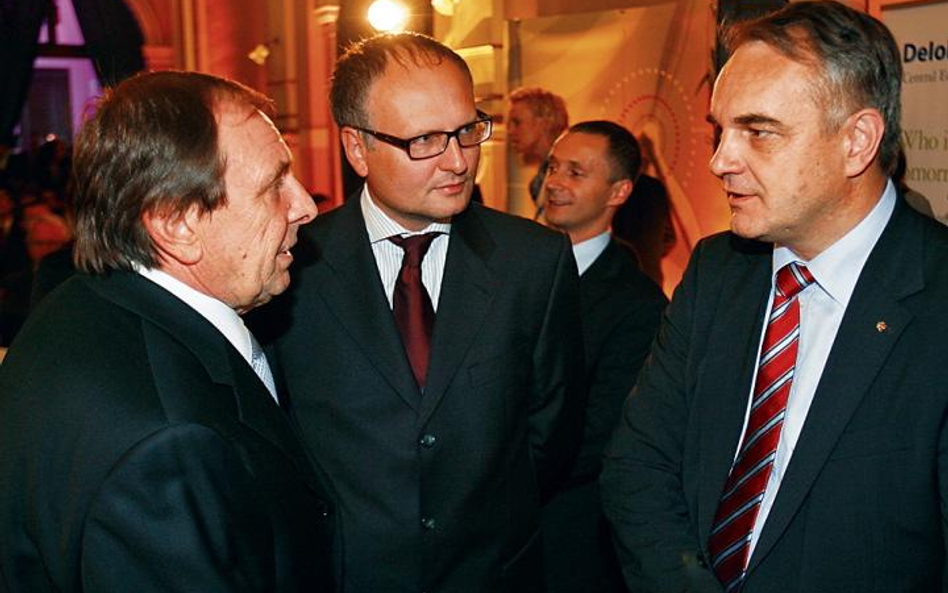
(924, 53)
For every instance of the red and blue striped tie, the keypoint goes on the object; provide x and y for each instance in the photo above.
(737, 510)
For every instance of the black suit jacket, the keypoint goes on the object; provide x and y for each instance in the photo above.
(861, 505)
(440, 491)
(621, 311)
(140, 452)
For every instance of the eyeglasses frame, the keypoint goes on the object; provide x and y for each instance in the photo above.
(405, 143)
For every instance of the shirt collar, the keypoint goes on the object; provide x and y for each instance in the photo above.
(221, 316)
(838, 267)
(587, 251)
(380, 226)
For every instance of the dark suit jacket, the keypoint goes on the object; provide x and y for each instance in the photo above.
(861, 505)
(441, 491)
(139, 452)
(621, 311)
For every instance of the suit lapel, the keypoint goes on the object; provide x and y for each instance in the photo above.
(175, 325)
(466, 292)
(735, 337)
(350, 286)
(892, 272)
(257, 411)
(597, 281)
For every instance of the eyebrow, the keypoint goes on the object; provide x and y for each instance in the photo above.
(748, 120)
(477, 117)
(279, 174)
(756, 118)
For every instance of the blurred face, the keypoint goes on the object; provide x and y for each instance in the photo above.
(6, 203)
(527, 132)
(408, 102)
(784, 175)
(581, 196)
(246, 243)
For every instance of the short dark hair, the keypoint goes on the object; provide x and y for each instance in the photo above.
(855, 55)
(150, 146)
(366, 60)
(624, 152)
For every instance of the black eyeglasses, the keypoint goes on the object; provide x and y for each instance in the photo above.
(430, 145)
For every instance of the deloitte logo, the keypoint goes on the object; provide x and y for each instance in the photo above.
(924, 53)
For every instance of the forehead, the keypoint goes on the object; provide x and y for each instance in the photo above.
(244, 128)
(759, 80)
(410, 99)
(588, 149)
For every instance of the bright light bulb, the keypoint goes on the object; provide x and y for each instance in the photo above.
(387, 15)
(443, 7)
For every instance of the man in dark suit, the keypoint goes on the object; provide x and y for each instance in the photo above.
(438, 461)
(788, 432)
(141, 446)
(592, 169)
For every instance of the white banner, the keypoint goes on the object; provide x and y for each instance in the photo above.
(923, 42)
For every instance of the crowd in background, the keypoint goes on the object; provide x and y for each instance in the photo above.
(34, 198)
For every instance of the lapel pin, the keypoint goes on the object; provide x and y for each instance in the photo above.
(881, 327)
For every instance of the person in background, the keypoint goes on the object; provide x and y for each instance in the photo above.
(788, 431)
(536, 118)
(593, 168)
(447, 398)
(141, 444)
(15, 267)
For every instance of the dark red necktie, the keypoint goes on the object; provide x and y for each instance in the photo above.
(411, 304)
(737, 510)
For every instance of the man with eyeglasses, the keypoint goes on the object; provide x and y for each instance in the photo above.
(433, 358)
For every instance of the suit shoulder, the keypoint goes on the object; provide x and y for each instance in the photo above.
(86, 353)
(513, 229)
(725, 245)
(632, 277)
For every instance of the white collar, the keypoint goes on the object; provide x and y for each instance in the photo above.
(221, 316)
(837, 268)
(586, 252)
(380, 226)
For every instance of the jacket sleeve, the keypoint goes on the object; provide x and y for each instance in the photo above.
(641, 481)
(559, 396)
(613, 374)
(179, 512)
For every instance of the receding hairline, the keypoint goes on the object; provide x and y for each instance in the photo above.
(407, 67)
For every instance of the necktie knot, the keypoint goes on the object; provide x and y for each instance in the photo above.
(791, 279)
(415, 247)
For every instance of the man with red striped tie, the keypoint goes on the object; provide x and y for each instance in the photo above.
(789, 432)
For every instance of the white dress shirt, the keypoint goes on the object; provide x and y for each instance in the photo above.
(822, 305)
(588, 251)
(220, 315)
(388, 256)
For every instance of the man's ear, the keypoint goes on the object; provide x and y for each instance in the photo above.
(176, 234)
(619, 192)
(863, 135)
(354, 144)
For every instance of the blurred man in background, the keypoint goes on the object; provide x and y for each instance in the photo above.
(536, 118)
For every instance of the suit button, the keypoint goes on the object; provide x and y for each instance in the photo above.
(427, 441)
(428, 523)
